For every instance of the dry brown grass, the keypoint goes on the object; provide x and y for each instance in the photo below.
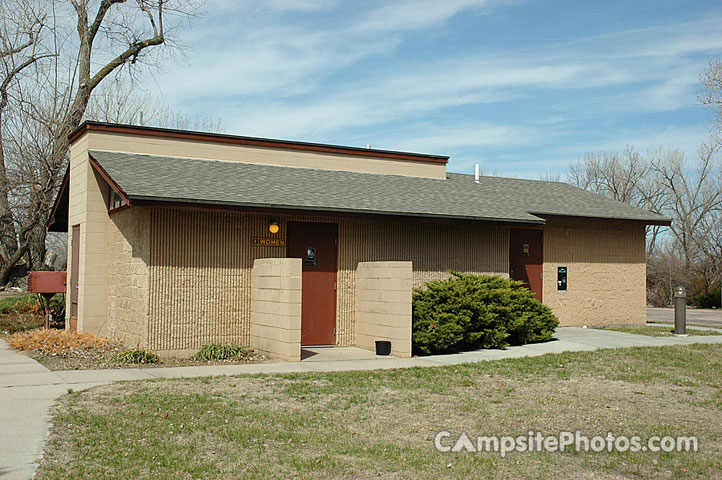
(31, 307)
(57, 342)
(19, 322)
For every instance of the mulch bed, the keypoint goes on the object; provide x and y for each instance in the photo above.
(94, 360)
(60, 350)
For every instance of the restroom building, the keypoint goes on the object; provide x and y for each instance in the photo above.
(165, 227)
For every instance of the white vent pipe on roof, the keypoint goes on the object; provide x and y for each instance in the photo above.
(476, 173)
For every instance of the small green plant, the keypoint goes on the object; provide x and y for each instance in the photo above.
(135, 356)
(469, 312)
(221, 351)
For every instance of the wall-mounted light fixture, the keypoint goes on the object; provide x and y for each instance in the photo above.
(273, 226)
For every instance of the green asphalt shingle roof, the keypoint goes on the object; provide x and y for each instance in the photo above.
(186, 180)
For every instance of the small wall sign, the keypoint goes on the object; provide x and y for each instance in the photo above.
(268, 242)
(561, 278)
(310, 257)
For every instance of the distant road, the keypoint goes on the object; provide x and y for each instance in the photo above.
(711, 317)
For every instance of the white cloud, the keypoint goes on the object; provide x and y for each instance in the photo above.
(299, 5)
(351, 75)
(447, 138)
(686, 138)
(340, 111)
(415, 14)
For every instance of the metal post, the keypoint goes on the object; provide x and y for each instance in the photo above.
(680, 311)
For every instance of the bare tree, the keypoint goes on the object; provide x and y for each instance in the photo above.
(22, 24)
(121, 101)
(624, 176)
(711, 94)
(109, 37)
(694, 197)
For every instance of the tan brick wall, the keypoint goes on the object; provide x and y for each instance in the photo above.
(120, 142)
(201, 261)
(606, 271)
(129, 275)
(276, 307)
(383, 305)
(88, 208)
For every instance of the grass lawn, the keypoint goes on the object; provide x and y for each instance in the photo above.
(382, 424)
(652, 331)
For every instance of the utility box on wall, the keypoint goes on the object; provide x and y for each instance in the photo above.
(561, 278)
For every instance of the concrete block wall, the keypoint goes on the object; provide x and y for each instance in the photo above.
(383, 305)
(606, 265)
(128, 275)
(276, 307)
(88, 208)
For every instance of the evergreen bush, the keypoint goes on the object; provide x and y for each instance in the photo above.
(470, 312)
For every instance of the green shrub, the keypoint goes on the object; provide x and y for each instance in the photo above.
(135, 356)
(710, 299)
(469, 312)
(220, 351)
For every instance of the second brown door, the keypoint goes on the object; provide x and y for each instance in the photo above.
(74, 274)
(525, 258)
(315, 245)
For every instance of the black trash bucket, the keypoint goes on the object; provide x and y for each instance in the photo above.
(383, 347)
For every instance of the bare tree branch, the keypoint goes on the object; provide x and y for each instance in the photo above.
(49, 105)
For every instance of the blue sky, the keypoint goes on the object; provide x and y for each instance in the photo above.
(522, 87)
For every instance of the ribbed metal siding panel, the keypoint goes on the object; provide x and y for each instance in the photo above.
(201, 263)
(433, 248)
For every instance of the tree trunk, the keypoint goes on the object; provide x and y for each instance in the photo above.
(8, 237)
(8, 267)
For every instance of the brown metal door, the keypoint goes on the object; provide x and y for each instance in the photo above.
(74, 271)
(525, 258)
(315, 245)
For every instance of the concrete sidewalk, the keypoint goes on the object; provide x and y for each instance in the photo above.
(28, 390)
